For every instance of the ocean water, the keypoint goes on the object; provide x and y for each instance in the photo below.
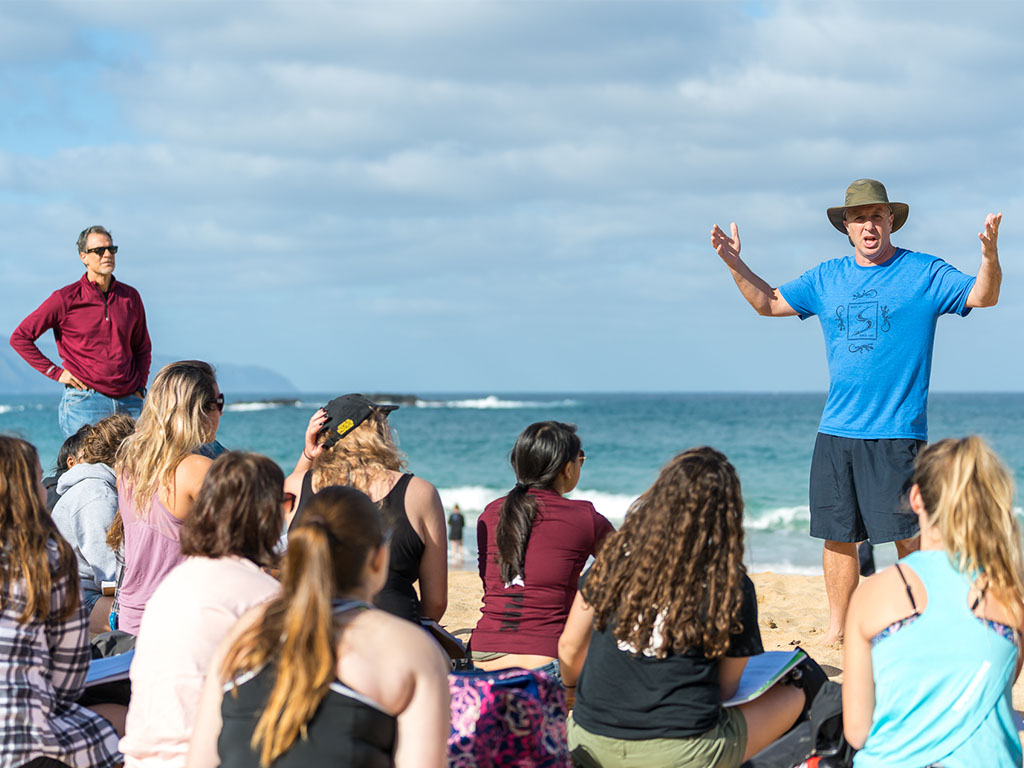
(460, 442)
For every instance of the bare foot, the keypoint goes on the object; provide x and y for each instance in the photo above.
(831, 640)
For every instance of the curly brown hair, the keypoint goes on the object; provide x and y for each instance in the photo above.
(671, 579)
(104, 438)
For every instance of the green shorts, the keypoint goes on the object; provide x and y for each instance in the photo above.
(721, 747)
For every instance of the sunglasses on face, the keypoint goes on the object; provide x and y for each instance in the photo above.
(582, 457)
(217, 403)
(288, 502)
(99, 251)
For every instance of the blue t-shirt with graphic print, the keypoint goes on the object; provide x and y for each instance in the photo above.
(879, 328)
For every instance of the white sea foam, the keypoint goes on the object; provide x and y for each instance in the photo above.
(774, 519)
(471, 498)
(611, 505)
(6, 408)
(784, 566)
(255, 406)
(492, 401)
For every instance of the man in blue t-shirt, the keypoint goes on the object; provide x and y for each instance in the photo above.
(878, 310)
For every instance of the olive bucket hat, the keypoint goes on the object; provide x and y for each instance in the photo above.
(868, 192)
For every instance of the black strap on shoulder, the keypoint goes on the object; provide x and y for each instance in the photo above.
(909, 593)
(305, 494)
(980, 597)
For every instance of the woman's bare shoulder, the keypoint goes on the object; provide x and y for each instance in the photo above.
(422, 496)
(192, 468)
(382, 656)
(882, 599)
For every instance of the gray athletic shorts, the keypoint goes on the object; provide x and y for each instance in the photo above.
(859, 489)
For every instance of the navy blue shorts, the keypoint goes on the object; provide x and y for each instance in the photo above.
(859, 489)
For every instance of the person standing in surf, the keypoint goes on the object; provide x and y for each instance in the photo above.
(456, 522)
(878, 308)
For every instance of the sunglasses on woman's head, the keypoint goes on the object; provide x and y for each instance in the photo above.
(217, 403)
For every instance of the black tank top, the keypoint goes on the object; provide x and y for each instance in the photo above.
(347, 728)
(398, 596)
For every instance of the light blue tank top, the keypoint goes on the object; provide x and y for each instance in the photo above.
(942, 683)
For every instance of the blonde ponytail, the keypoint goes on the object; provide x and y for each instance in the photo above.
(968, 496)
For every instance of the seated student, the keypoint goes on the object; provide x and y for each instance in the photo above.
(158, 477)
(229, 535)
(86, 508)
(350, 442)
(44, 652)
(532, 545)
(933, 643)
(666, 619)
(319, 677)
(67, 457)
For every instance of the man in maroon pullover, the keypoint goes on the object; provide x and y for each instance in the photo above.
(100, 328)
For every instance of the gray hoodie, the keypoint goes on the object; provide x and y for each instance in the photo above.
(84, 511)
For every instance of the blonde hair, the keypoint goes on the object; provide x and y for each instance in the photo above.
(361, 457)
(174, 423)
(327, 553)
(968, 496)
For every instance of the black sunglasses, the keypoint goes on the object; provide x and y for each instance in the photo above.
(288, 499)
(99, 251)
(217, 403)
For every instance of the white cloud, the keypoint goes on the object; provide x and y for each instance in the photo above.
(477, 172)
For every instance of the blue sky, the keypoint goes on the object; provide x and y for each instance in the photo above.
(504, 196)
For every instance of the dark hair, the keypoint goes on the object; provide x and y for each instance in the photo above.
(675, 568)
(96, 229)
(70, 448)
(104, 438)
(237, 511)
(328, 550)
(28, 579)
(538, 457)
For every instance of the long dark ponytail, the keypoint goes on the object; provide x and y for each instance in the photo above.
(539, 455)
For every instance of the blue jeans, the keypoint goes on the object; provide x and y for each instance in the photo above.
(79, 407)
(89, 598)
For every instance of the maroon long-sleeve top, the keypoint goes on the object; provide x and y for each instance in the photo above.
(528, 615)
(102, 338)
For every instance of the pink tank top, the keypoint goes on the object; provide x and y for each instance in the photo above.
(152, 547)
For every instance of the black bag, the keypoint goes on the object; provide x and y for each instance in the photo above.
(116, 692)
(821, 734)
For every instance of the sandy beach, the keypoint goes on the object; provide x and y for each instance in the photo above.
(792, 610)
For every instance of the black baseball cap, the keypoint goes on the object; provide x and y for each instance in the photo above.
(347, 412)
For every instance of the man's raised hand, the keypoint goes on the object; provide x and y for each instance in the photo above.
(728, 248)
(990, 237)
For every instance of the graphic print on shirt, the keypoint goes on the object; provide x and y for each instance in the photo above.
(513, 614)
(862, 319)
